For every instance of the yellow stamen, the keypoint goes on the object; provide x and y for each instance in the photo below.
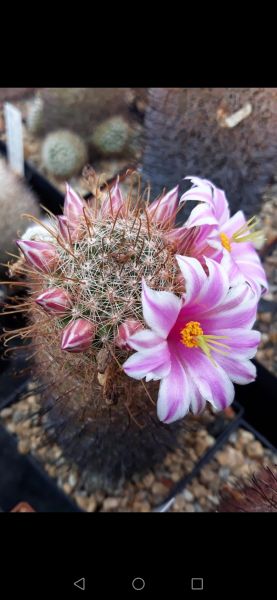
(192, 336)
(189, 334)
(225, 241)
(244, 233)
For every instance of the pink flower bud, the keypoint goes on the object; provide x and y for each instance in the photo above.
(113, 202)
(40, 255)
(77, 336)
(125, 330)
(54, 301)
(73, 206)
(67, 232)
(164, 209)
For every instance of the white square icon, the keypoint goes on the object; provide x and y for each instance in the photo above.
(197, 583)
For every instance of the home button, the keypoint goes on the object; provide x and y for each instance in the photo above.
(138, 583)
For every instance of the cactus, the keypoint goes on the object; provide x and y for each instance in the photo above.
(35, 117)
(84, 302)
(195, 129)
(259, 494)
(111, 136)
(83, 108)
(64, 153)
(116, 137)
(15, 199)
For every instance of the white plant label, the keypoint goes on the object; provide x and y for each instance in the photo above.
(13, 121)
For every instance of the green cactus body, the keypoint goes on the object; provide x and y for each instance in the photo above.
(110, 138)
(64, 154)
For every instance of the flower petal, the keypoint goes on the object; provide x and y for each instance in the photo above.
(213, 383)
(174, 394)
(202, 214)
(160, 309)
(243, 343)
(194, 275)
(216, 286)
(141, 364)
(144, 340)
(73, 205)
(164, 209)
(237, 311)
(241, 372)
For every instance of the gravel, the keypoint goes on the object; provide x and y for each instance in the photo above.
(143, 492)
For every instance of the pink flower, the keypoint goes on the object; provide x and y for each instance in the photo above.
(54, 301)
(234, 234)
(40, 255)
(163, 210)
(197, 344)
(113, 203)
(77, 336)
(68, 232)
(125, 330)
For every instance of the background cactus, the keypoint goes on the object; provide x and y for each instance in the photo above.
(15, 199)
(191, 128)
(64, 153)
(117, 137)
(85, 290)
(110, 137)
(35, 117)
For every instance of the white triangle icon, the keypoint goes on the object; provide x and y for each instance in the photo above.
(81, 583)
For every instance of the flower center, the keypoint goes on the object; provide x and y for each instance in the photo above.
(189, 334)
(192, 336)
(225, 241)
(245, 233)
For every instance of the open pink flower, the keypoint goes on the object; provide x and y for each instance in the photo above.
(198, 344)
(40, 255)
(234, 234)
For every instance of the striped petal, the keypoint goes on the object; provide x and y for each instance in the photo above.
(160, 309)
(40, 255)
(141, 364)
(54, 301)
(73, 206)
(77, 336)
(194, 276)
(174, 394)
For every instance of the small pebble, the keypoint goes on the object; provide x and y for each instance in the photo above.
(255, 449)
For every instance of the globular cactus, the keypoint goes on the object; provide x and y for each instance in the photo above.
(84, 302)
(64, 154)
(15, 199)
(117, 137)
(110, 137)
(35, 117)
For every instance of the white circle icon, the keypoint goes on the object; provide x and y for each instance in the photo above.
(138, 583)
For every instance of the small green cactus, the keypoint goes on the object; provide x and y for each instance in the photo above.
(35, 117)
(110, 138)
(64, 153)
(15, 199)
